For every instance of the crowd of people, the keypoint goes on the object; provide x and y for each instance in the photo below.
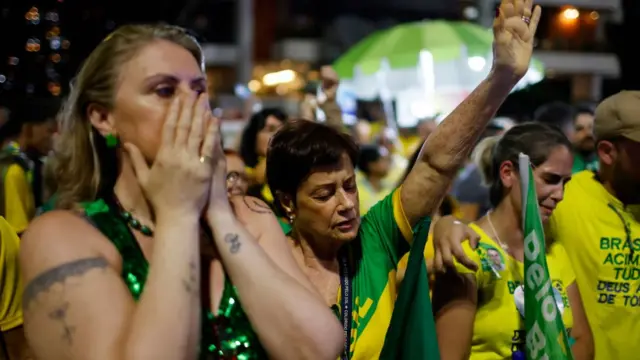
(129, 230)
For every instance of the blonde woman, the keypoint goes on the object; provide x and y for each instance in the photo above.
(125, 268)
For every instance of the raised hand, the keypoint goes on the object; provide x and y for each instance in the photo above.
(330, 82)
(514, 29)
(178, 181)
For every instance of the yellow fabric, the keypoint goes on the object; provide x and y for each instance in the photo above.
(589, 223)
(19, 202)
(429, 251)
(410, 144)
(368, 197)
(498, 325)
(11, 290)
(266, 194)
(250, 171)
(400, 217)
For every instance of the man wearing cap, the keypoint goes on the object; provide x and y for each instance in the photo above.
(598, 223)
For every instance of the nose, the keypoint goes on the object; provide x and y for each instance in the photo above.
(346, 202)
(558, 193)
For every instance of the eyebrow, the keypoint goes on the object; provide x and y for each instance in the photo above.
(332, 183)
(549, 173)
(168, 77)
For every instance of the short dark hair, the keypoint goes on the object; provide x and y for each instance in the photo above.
(368, 154)
(536, 140)
(28, 111)
(257, 123)
(301, 146)
(585, 108)
(559, 114)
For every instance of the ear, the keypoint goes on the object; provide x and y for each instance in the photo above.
(508, 174)
(607, 152)
(287, 203)
(101, 119)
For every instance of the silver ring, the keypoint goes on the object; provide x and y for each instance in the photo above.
(205, 158)
(526, 19)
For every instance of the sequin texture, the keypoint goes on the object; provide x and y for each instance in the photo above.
(228, 335)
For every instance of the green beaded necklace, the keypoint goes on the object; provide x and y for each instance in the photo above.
(133, 222)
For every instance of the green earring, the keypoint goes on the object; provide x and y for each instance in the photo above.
(112, 140)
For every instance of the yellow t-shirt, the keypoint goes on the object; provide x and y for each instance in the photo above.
(594, 227)
(11, 290)
(367, 196)
(499, 327)
(19, 203)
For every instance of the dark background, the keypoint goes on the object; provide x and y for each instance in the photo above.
(85, 23)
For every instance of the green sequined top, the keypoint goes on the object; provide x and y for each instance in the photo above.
(225, 336)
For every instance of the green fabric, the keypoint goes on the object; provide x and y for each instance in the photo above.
(286, 227)
(412, 332)
(402, 44)
(546, 336)
(226, 334)
(581, 163)
(374, 258)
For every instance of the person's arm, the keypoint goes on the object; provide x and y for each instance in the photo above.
(259, 220)
(77, 307)
(449, 146)
(583, 348)
(290, 319)
(333, 114)
(454, 306)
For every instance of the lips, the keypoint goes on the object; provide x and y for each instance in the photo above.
(346, 222)
(346, 225)
(548, 210)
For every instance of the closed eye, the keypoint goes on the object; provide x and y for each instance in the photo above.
(165, 91)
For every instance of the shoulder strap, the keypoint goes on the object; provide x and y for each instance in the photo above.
(135, 266)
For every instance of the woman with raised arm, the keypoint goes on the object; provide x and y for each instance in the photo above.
(480, 314)
(352, 260)
(126, 267)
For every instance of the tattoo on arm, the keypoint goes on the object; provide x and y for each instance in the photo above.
(58, 275)
(191, 284)
(233, 241)
(256, 206)
(60, 314)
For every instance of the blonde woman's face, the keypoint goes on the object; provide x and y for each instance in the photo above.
(148, 83)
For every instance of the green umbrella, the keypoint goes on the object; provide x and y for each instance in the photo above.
(391, 61)
(401, 45)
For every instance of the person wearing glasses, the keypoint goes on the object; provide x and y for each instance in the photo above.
(237, 179)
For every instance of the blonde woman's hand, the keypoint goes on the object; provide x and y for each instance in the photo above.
(218, 195)
(178, 181)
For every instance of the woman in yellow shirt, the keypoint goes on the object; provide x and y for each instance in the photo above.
(479, 315)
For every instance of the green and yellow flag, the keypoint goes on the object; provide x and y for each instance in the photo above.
(412, 331)
(546, 336)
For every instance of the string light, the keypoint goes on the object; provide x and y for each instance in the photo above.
(36, 67)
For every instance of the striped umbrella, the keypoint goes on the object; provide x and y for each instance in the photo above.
(435, 55)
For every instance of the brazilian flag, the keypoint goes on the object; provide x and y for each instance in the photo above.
(412, 332)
